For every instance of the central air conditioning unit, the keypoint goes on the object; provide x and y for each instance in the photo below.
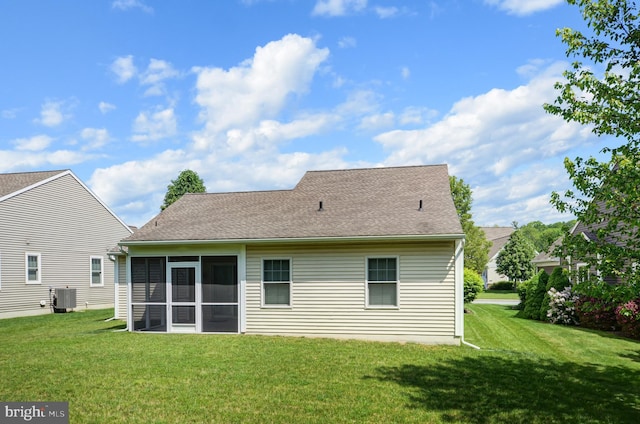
(64, 299)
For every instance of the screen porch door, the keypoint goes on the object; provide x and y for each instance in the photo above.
(182, 279)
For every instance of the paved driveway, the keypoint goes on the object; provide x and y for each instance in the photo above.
(506, 302)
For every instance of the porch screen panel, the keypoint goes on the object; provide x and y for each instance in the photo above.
(148, 280)
(219, 294)
(148, 294)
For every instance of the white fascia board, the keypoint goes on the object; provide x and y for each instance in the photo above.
(32, 186)
(437, 237)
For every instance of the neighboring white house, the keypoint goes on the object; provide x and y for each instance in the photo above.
(498, 236)
(54, 233)
(364, 253)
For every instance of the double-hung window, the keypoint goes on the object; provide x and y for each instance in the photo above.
(97, 277)
(276, 282)
(382, 282)
(33, 268)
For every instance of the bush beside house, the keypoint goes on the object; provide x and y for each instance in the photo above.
(590, 304)
(473, 284)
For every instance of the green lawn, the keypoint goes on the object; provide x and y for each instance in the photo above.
(527, 372)
(498, 294)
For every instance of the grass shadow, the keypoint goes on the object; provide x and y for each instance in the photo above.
(492, 389)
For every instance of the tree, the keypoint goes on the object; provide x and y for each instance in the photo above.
(187, 182)
(606, 198)
(476, 248)
(543, 235)
(514, 260)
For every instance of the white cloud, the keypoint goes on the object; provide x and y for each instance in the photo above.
(106, 107)
(94, 137)
(417, 115)
(52, 114)
(123, 68)
(347, 42)
(155, 74)
(258, 88)
(24, 159)
(386, 12)
(338, 7)
(151, 126)
(523, 7)
(131, 4)
(502, 141)
(33, 144)
(10, 113)
(497, 130)
(377, 121)
(405, 72)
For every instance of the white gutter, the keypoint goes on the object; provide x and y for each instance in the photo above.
(435, 237)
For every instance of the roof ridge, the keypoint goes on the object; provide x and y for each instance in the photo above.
(381, 167)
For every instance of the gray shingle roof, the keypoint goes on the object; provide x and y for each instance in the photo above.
(499, 236)
(10, 183)
(356, 203)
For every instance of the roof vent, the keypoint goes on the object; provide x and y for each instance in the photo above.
(420, 206)
(320, 208)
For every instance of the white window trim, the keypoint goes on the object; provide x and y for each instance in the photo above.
(101, 284)
(26, 267)
(262, 283)
(366, 283)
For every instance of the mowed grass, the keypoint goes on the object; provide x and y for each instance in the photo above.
(527, 372)
(498, 294)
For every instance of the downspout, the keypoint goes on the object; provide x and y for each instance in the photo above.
(459, 292)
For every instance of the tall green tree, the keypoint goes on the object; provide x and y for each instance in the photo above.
(543, 235)
(514, 260)
(187, 182)
(607, 194)
(476, 248)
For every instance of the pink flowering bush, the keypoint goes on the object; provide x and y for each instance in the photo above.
(596, 313)
(562, 308)
(628, 317)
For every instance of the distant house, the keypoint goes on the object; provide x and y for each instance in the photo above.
(54, 233)
(578, 266)
(363, 253)
(547, 260)
(498, 236)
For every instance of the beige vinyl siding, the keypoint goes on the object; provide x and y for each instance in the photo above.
(67, 225)
(328, 291)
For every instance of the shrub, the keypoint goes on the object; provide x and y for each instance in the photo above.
(558, 280)
(501, 285)
(628, 317)
(596, 313)
(473, 284)
(521, 289)
(562, 308)
(535, 295)
(598, 301)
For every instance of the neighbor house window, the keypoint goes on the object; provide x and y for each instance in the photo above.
(382, 282)
(96, 271)
(33, 268)
(276, 282)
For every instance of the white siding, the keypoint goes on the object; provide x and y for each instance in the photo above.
(65, 224)
(328, 292)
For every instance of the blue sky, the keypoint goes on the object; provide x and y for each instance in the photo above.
(253, 93)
